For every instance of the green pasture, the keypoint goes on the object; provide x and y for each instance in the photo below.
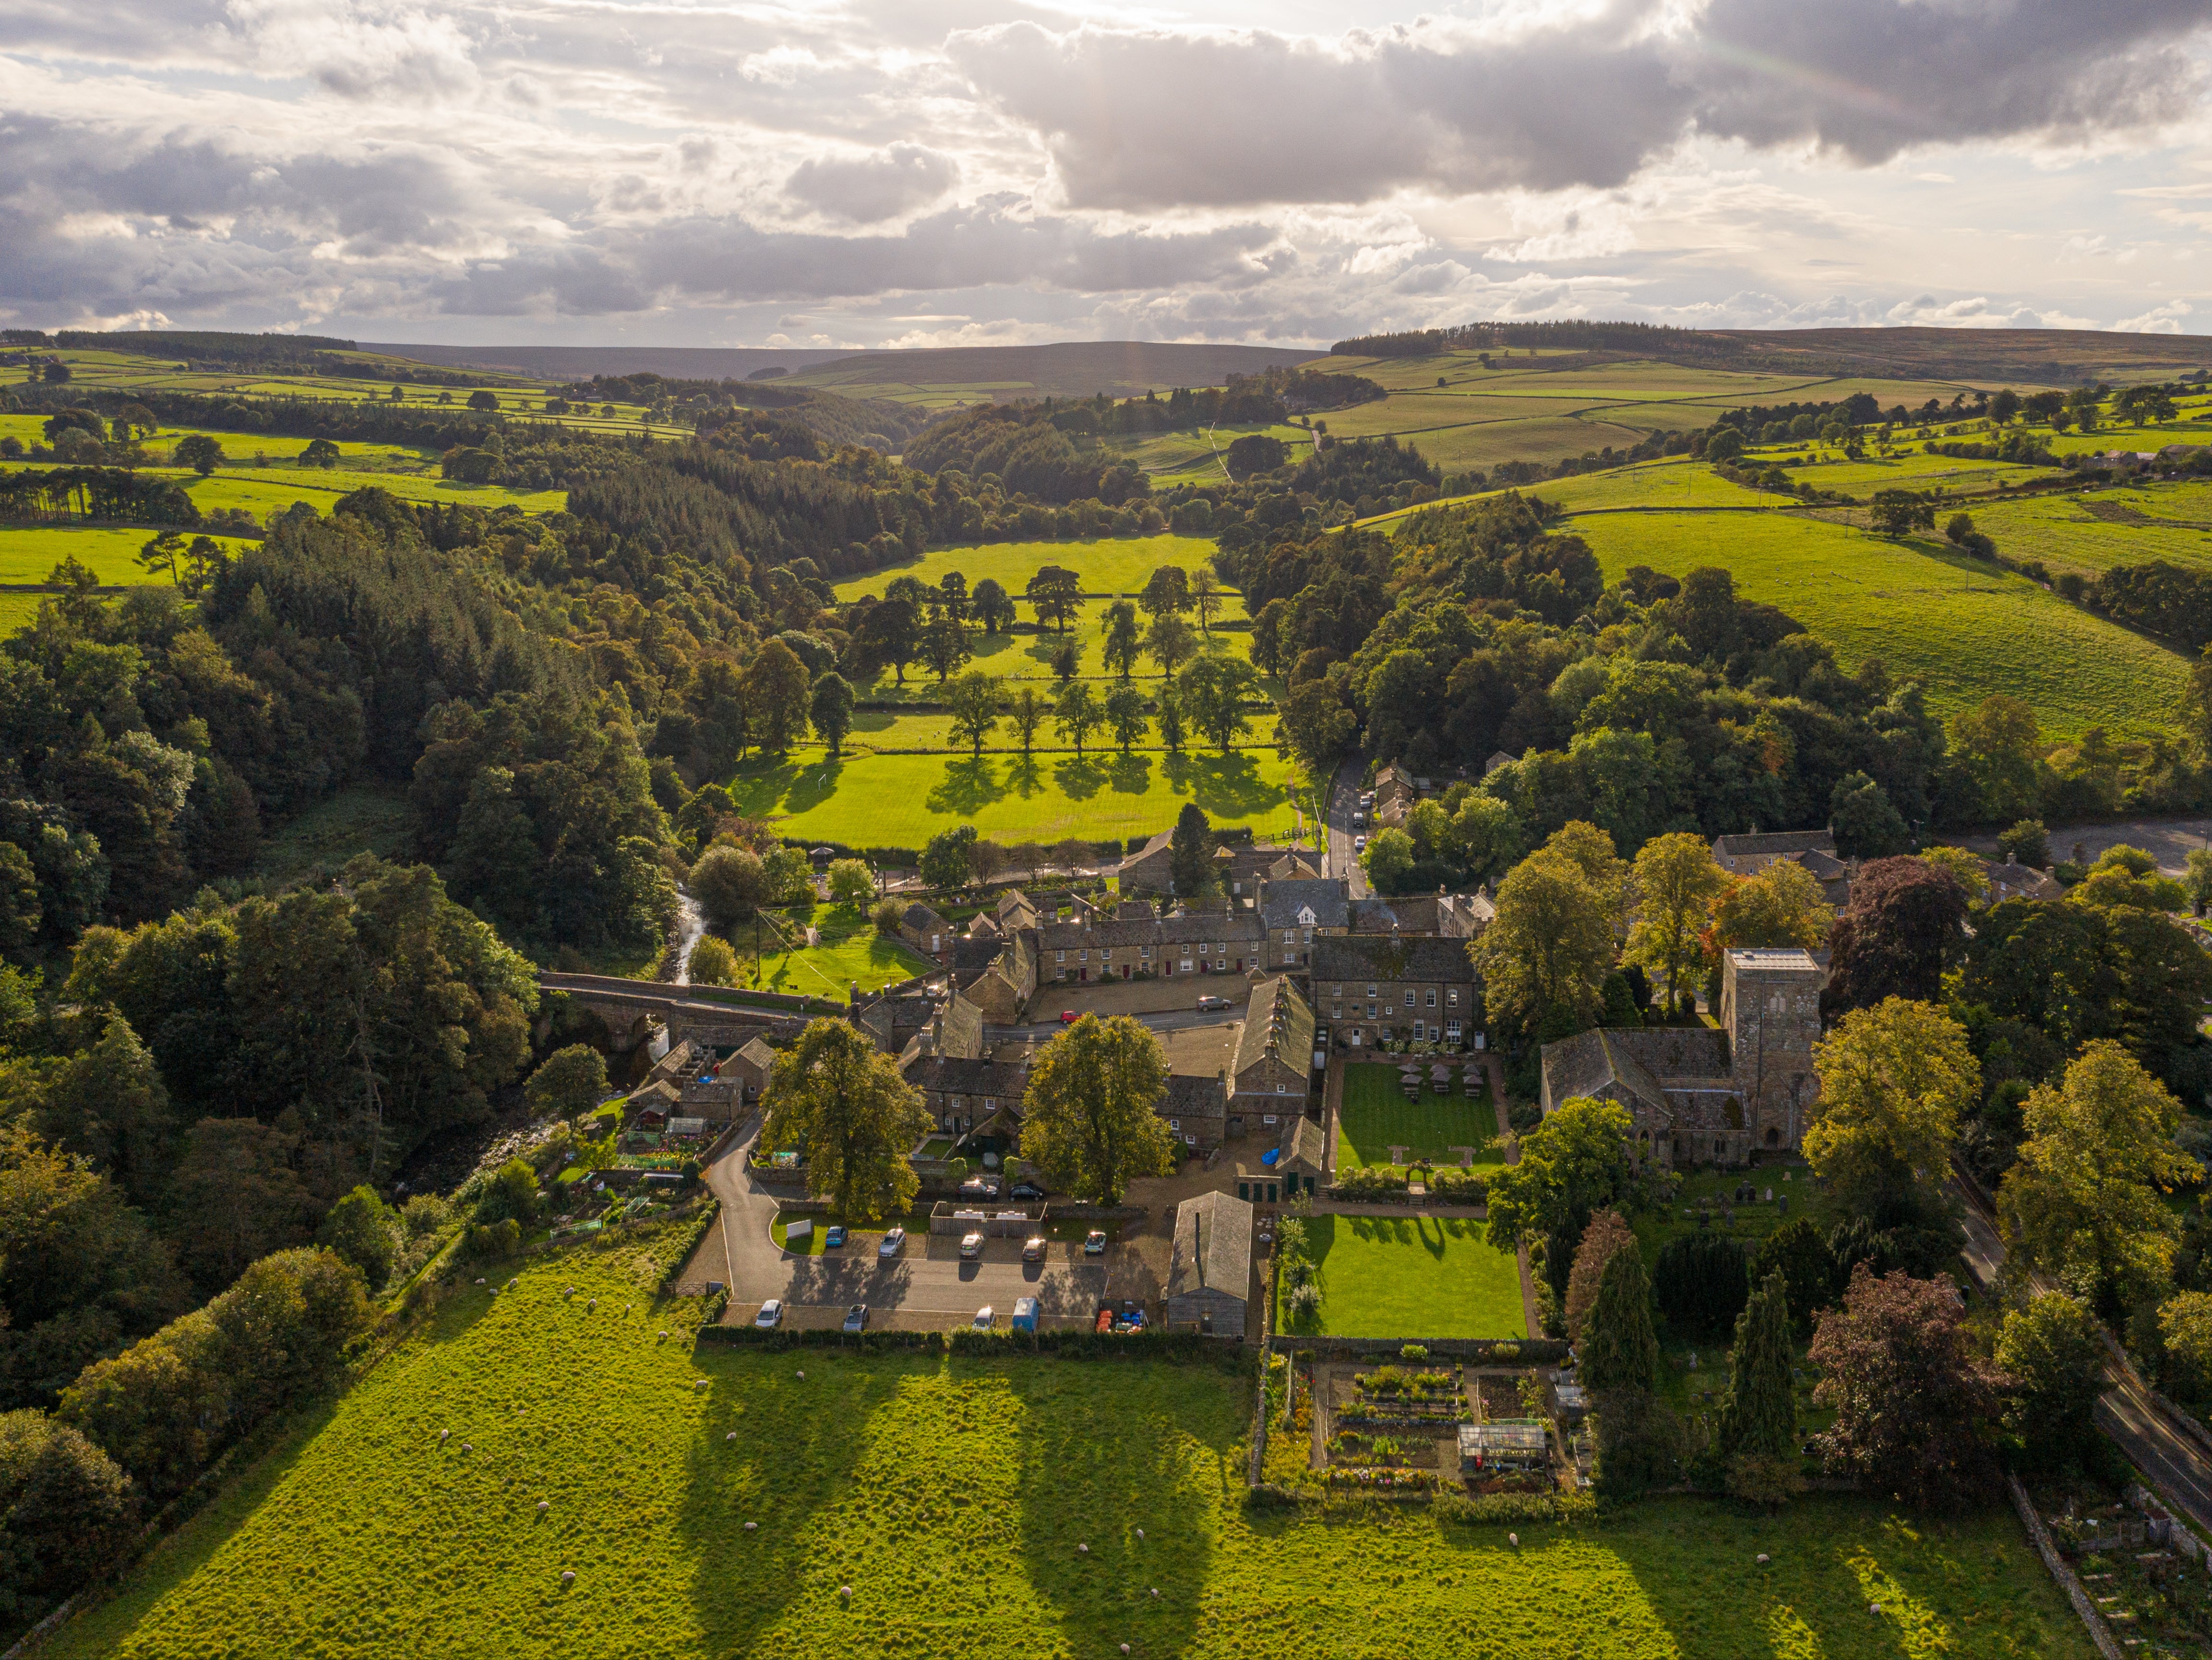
(1916, 470)
(949, 1495)
(1026, 654)
(1108, 565)
(1411, 1277)
(262, 491)
(902, 800)
(1197, 456)
(848, 949)
(1375, 1116)
(28, 553)
(2096, 530)
(1931, 613)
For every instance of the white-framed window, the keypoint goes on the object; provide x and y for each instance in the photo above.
(1371, 991)
(1418, 1033)
(1190, 1140)
(1145, 952)
(1336, 1011)
(1451, 1029)
(1432, 997)
(1409, 999)
(1339, 991)
(1372, 1012)
(1083, 957)
(1059, 957)
(1175, 1125)
(1451, 999)
(1268, 1119)
(1309, 933)
(1282, 1089)
(1107, 955)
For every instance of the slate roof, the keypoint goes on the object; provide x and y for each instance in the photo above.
(1498, 758)
(960, 1028)
(1195, 1097)
(1213, 1246)
(1588, 1061)
(1277, 1022)
(957, 1075)
(1208, 926)
(921, 916)
(756, 1053)
(1280, 902)
(1775, 843)
(1366, 956)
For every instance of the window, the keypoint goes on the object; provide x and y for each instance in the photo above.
(1083, 957)
(1190, 1140)
(1409, 997)
(1268, 1119)
(1175, 1125)
(1451, 1029)
(1451, 999)
(1145, 951)
(1372, 1012)
(1371, 991)
(1432, 997)
(1309, 933)
(1289, 936)
(1339, 991)
(1336, 1011)
(1107, 955)
(1059, 957)
(1282, 1089)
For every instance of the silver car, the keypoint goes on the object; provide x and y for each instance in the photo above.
(894, 1243)
(770, 1314)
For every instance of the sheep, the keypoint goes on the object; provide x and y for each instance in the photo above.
(568, 1576)
(749, 1526)
(1083, 1550)
(443, 1435)
(545, 1505)
(1762, 1558)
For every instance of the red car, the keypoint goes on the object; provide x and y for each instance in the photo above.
(1068, 1017)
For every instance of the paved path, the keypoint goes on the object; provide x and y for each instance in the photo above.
(1343, 801)
(2176, 1462)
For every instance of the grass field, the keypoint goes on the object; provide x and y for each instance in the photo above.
(1375, 1116)
(850, 949)
(951, 1495)
(1961, 628)
(2096, 530)
(1109, 565)
(28, 553)
(1025, 654)
(902, 800)
(1403, 1276)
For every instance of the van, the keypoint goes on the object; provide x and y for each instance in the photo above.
(1025, 1314)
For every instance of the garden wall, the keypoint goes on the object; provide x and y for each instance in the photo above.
(1175, 1347)
(1523, 1351)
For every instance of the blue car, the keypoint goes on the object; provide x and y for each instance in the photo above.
(835, 1237)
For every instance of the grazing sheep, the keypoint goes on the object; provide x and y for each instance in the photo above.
(443, 1436)
(567, 1575)
(749, 1526)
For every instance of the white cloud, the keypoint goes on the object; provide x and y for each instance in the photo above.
(867, 189)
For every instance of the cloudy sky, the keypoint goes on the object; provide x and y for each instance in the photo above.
(942, 172)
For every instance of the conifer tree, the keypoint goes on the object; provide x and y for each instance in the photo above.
(1619, 1350)
(1759, 1414)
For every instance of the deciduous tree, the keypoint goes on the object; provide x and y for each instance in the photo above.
(1912, 1403)
(2051, 1349)
(2083, 1203)
(1550, 948)
(1090, 1120)
(1078, 713)
(1123, 642)
(730, 884)
(778, 695)
(1894, 1080)
(1780, 905)
(568, 1081)
(1677, 879)
(831, 709)
(840, 1101)
(1904, 914)
(1127, 713)
(974, 700)
(1027, 710)
(1572, 1163)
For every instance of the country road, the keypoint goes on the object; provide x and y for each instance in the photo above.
(2179, 1464)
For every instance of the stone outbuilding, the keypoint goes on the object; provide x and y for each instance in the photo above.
(1210, 1276)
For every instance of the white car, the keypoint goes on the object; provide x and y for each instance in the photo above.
(1360, 844)
(971, 1246)
(983, 1317)
(894, 1243)
(770, 1317)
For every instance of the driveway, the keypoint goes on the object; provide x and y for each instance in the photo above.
(928, 1287)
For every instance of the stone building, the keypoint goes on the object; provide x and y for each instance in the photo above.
(1371, 988)
(1696, 1096)
(1272, 1069)
(1210, 1276)
(1097, 947)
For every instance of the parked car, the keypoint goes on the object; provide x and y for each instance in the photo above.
(856, 1317)
(971, 1246)
(1026, 1190)
(1068, 1017)
(894, 1243)
(1208, 1003)
(983, 1317)
(835, 1238)
(770, 1316)
(979, 1187)
(1357, 819)
(1360, 844)
(1033, 1249)
(1094, 1243)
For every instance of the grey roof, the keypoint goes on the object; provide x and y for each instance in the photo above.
(919, 916)
(1498, 758)
(1775, 842)
(971, 955)
(756, 1053)
(960, 1028)
(1588, 1061)
(957, 1075)
(1191, 1096)
(1208, 926)
(1365, 957)
(1303, 1141)
(1213, 1246)
(1773, 959)
(1277, 1022)
(1281, 901)
(981, 927)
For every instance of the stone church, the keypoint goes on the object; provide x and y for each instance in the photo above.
(1701, 1097)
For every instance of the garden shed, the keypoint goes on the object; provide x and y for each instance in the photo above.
(1210, 1279)
(1510, 1445)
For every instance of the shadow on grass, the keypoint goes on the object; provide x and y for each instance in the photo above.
(797, 1443)
(1105, 1450)
(775, 784)
(969, 784)
(1225, 786)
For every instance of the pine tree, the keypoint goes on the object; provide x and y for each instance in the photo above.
(1190, 854)
(1619, 1350)
(1759, 1414)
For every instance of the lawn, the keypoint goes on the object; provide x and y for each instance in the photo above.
(2096, 530)
(1025, 654)
(1403, 1276)
(1961, 628)
(850, 949)
(950, 1496)
(902, 800)
(28, 553)
(1108, 565)
(1375, 1116)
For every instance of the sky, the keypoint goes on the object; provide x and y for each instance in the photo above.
(917, 172)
